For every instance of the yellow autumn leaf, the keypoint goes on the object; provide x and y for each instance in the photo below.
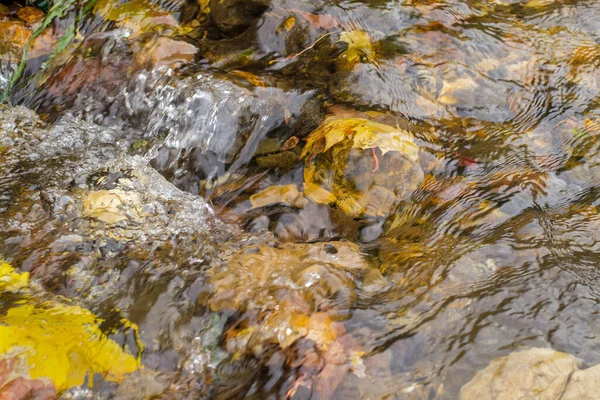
(286, 194)
(251, 78)
(350, 204)
(204, 6)
(338, 170)
(58, 341)
(10, 280)
(318, 194)
(360, 49)
(139, 16)
(335, 135)
(386, 138)
(288, 24)
(365, 134)
(539, 3)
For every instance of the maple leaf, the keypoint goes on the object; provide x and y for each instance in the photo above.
(365, 134)
(339, 172)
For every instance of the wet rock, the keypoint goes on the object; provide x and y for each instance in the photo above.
(310, 223)
(234, 16)
(30, 14)
(14, 37)
(273, 154)
(459, 90)
(284, 161)
(112, 206)
(140, 385)
(216, 126)
(371, 231)
(166, 52)
(213, 122)
(383, 86)
(90, 74)
(86, 220)
(286, 293)
(534, 374)
(15, 383)
(286, 31)
(106, 229)
(363, 167)
(300, 38)
(309, 117)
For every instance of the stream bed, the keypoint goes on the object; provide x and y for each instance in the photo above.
(308, 199)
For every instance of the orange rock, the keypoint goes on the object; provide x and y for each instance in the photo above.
(31, 15)
(14, 37)
(167, 52)
(321, 330)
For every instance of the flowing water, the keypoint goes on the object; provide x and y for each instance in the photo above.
(257, 262)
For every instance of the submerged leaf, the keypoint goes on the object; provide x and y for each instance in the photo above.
(204, 6)
(30, 14)
(364, 133)
(112, 206)
(62, 343)
(58, 341)
(139, 16)
(286, 194)
(284, 293)
(318, 194)
(16, 36)
(10, 280)
(289, 24)
(361, 166)
(360, 49)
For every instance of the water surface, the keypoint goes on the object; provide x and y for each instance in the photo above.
(493, 250)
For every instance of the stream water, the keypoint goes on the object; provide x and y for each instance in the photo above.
(307, 199)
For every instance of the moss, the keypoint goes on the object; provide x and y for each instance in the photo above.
(284, 161)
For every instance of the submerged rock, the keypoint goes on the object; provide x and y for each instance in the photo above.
(234, 16)
(166, 52)
(112, 206)
(215, 126)
(363, 167)
(86, 220)
(534, 374)
(287, 292)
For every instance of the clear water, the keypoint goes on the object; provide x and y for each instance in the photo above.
(496, 251)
